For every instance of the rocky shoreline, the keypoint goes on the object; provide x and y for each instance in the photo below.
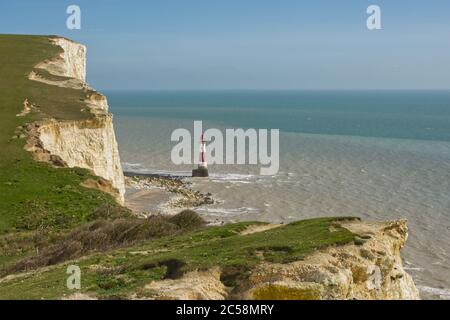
(170, 195)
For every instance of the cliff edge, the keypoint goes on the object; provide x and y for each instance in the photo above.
(370, 268)
(48, 113)
(86, 143)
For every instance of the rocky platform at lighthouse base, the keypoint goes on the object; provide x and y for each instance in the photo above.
(200, 172)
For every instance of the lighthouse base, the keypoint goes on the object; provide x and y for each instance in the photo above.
(201, 172)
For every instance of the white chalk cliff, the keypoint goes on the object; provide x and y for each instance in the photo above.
(370, 269)
(89, 143)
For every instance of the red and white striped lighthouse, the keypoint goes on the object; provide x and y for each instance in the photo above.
(202, 160)
(202, 170)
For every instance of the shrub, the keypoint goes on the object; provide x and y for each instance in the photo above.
(102, 235)
(188, 219)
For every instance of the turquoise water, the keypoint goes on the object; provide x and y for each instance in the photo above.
(377, 155)
(421, 115)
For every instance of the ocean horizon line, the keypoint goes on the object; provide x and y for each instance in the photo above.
(276, 90)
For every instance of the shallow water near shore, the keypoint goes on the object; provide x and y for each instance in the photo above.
(337, 166)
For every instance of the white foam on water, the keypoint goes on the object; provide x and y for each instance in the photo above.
(140, 169)
(413, 269)
(443, 293)
(221, 212)
(232, 178)
(127, 166)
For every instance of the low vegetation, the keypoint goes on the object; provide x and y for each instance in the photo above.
(122, 272)
(104, 234)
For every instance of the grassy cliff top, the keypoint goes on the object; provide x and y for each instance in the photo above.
(35, 195)
(120, 273)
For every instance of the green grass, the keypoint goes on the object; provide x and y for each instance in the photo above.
(125, 271)
(35, 195)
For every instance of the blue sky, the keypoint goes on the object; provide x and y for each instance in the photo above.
(250, 44)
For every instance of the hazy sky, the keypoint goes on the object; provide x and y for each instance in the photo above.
(250, 44)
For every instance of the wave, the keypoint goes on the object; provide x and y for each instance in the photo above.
(233, 178)
(443, 293)
(138, 168)
(220, 212)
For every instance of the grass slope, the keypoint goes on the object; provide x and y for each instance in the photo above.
(35, 198)
(118, 273)
(35, 195)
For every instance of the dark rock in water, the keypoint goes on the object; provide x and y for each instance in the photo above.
(200, 172)
(208, 200)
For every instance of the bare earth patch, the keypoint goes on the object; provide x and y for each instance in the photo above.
(259, 228)
(26, 109)
(79, 296)
(196, 285)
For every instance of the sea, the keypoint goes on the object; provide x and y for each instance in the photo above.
(377, 155)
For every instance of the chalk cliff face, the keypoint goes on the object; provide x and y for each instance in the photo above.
(70, 63)
(369, 269)
(89, 144)
(86, 144)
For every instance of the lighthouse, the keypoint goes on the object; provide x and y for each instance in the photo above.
(202, 170)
